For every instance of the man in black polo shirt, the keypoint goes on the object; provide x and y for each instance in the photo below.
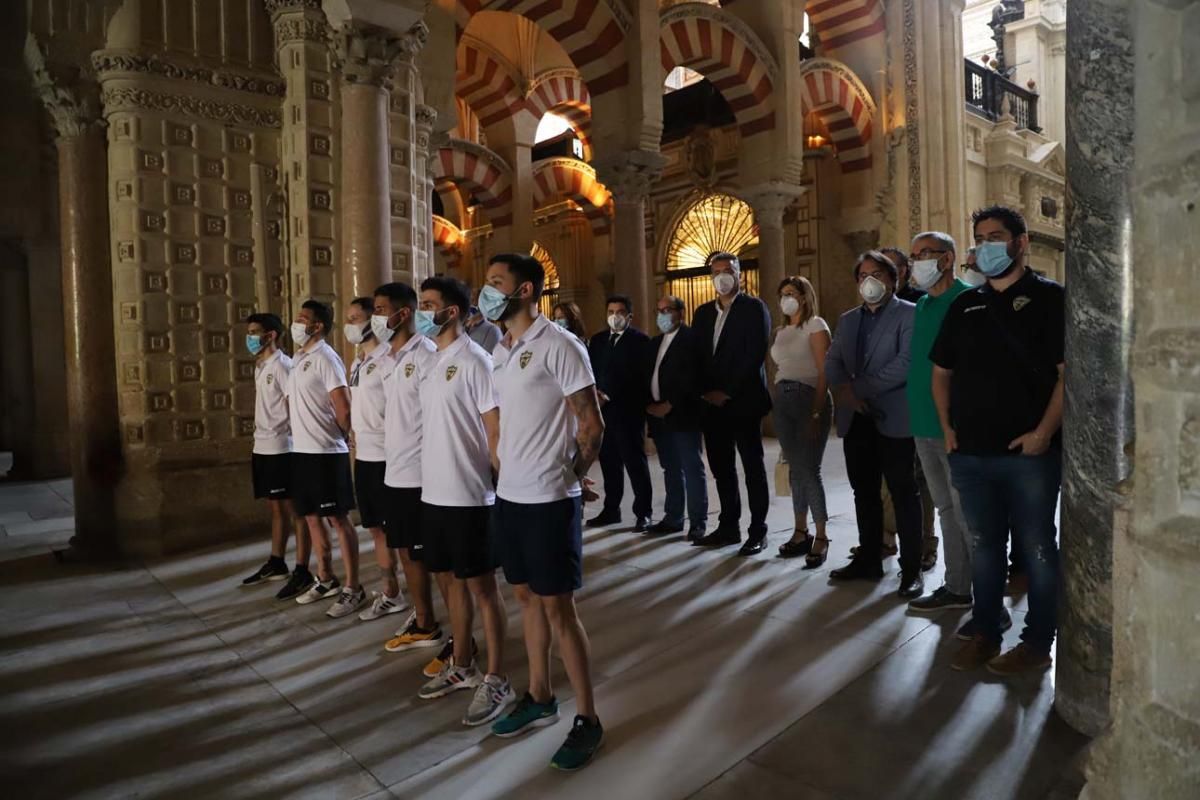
(998, 388)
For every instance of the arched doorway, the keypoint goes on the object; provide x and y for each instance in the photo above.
(550, 292)
(711, 224)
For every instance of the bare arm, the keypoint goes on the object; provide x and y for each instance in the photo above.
(341, 408)
(491, 426)
(941, 400)
(591, 428)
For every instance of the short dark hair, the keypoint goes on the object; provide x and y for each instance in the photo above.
(322, 312)
(675, 302)
(526, 269)
(898, 256)
(453, 291)
(1010, 218)
(623, 299)
(721, 255)
(880, 259)
(401, 294)
(367, 304)
(270, 323)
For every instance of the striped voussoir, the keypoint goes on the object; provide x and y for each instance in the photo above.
(557, 179)
(842, 22)
(828, 88)
(564, 93)
(486, 85)
(482, 173)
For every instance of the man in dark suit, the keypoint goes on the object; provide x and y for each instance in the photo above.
(733, 332)
(619, 362)
(674, 364)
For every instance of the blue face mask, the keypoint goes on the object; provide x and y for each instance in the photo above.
(492, 302)
(992, 258)
(562, 323)
(426, 325)
(254, 344)
(665, 322)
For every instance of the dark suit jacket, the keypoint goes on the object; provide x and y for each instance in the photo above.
(679, 379)
(620, 371)
(738, 365)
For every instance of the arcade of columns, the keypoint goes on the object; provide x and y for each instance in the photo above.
(219, 157)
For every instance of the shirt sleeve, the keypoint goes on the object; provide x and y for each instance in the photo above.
(333, 373)
(945, 347)
(570, 366)
(483, 386)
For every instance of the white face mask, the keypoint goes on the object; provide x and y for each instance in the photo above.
(789, 305)
(379, 327)
(355, 333)
(300, 334)
(926, 273)
(617, 322)
(973, 278)
(872, 289)
(725, 283)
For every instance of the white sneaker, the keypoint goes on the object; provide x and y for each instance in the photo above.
(451, 679)
(383, 605)
(403, 629)
(347, 603)
(491, 698)
(318, 591)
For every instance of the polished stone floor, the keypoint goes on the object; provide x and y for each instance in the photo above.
(717, 677)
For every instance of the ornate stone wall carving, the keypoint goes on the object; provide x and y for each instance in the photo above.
(129, 98)
(912, 123)
(157, 65)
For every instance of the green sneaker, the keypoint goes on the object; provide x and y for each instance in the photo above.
(525, 716)
(582, 743)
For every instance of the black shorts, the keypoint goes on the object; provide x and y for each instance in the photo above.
(368, 489)
(402, 519)
(321, 484)
(541, 544)
(458, 540)
(272, 476)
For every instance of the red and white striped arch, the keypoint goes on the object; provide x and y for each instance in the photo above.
(726, 52)
(557, 179)
(832, 90)
(480, 172)
(842, 22)
(485, 83)
(592, 32)
(565, 94)
(448, 239)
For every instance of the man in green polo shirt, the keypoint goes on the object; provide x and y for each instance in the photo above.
(933, 267)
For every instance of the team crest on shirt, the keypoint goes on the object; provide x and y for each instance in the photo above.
(451, 371)
(371, 367)
(408, 370)
(307, 364)
(270, 378)
(1020, 302)
(526, 357)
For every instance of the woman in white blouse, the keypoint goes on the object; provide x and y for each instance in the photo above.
(803, 411)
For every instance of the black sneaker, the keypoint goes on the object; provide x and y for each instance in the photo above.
(582, 742)
(297, 584)
(969, 628)
(274, 570)
(939, 600)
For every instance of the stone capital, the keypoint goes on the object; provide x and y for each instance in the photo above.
(369, 54)
(277, 7)
(770, 200)
(629, 175)
(72, 99)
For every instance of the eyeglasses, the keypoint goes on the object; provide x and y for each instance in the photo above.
(926, 253)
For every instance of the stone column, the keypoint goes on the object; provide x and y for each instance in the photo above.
(769, 202)
(365, 216)
(87, 295)
(409, 122)
(1099, 422)
(629, 178)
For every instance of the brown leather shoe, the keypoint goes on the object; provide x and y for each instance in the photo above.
(1021, 658)
(974, 654)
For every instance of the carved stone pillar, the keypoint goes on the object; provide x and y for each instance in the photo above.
(426, 116)
(629, 178)
(769, 202)
(96, 458)
(412, 230)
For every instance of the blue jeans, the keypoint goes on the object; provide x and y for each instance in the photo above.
(1021, 491)
(683, 473)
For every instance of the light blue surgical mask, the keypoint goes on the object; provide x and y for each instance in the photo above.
(992, 258)
(562, 323)
(426, 326)
(665, 322)
(492, 302)
(254, 343)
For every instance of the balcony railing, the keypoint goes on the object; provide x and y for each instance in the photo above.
(987, 91)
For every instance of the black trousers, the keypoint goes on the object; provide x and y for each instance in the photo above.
(724, 434)
(624, 450)
(870, 457)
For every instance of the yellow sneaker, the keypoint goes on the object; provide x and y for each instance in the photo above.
(444, 656)
(411, 636)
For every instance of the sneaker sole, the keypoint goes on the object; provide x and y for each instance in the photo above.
(396, 610)
(292, 596)
(928, 610)
(304, 600)
(495, 713)
(344, 614)
(448, 690)
(540, 722)
(421, 645)
(584, 764)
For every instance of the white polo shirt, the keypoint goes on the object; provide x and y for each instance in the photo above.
(402, 417)
(272, 429)
(537, 428)
(314, 425)
(368, 403)
(456, 468)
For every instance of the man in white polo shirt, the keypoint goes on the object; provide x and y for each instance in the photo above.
(270, 461)
(393, 322)
(550, 434)
(367, 405)
(460, 426)
(319, 405)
